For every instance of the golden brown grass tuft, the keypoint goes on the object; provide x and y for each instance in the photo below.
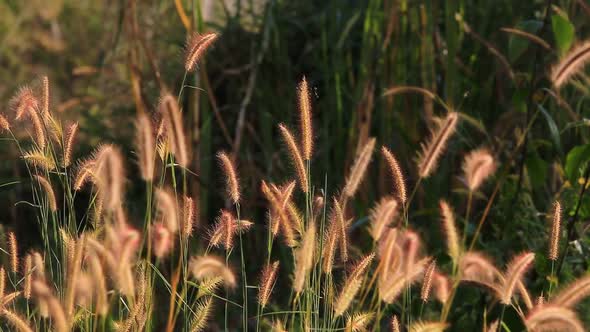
(71, 136)
(172, 119)
(433, 149)
(39, 159)
(296, 157)
(359, 322)
(395, 324)
(18, 322)
(514, 273)
(352, 285)
(359, 168)
(305, 118)
(553, 318)
(232, 185)
(168, 209)
(24, 101)
(450, 231)
(477, 167)
(146, 146)
(28, 275)
(427, 281)
(555, 232)
(4, 124)
(572, 294)
(572, 63)
(162, 240)
(13, 251)
(382, 217)
(205, 267)
(202, 314)
(267, 283)
(196, 47)
(48, 192)
(421, 326)
(188, 216)
(304, 257)
(110, 175)
(396, 174)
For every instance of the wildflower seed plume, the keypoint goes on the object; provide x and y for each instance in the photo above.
(477, 167)
(232, 186)
(305, 118)
(196, 46)
(434, 147)
(396, 174)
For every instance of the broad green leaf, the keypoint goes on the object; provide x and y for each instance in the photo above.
(563, 31)
(576, 160)
(553, 130)
(537, 170)
(518, 45)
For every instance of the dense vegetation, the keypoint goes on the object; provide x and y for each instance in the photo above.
(294, 165)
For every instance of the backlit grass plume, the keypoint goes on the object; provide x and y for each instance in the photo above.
(555, 232)
(477, 167)
(196, 46)
(396, 174)
(434, 147)
(572, 63)
(359, 168)
(305, 118)
(232, 186)
(296, 157)
(267, 282)
(351, 286)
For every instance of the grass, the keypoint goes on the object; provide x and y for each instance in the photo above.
(369, 71)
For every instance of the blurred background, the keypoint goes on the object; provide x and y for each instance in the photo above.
(108, 60)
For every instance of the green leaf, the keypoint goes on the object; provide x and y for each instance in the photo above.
(563, 31)
(518, 45)
(537, 170)
(576, 160)
(553, 130)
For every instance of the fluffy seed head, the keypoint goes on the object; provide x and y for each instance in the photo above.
(514, 273)
(39, 159)
(163, 241)
(13, 247)
(359, 321)
(477, 167)
(4, 124)
(188, 214)
(232, 185)
(110, 175)
(28, 273)
(555, 232)
(450, 230)
(442, 287)
(23, 102)
(382, 216)
(427, 281)
(296, 158)
(433, 149)
(570, 65)
(168, 210)
(71, 136)
(305, 115)
(146, 146)
(352, 286)
(18, 322)
(304, 257)
(172, 119)
(204, 267)
(202, 313)
(394, 324)
(359, 169)
(267, 282)
(196, 47)
(396, 174)
(48, 192)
